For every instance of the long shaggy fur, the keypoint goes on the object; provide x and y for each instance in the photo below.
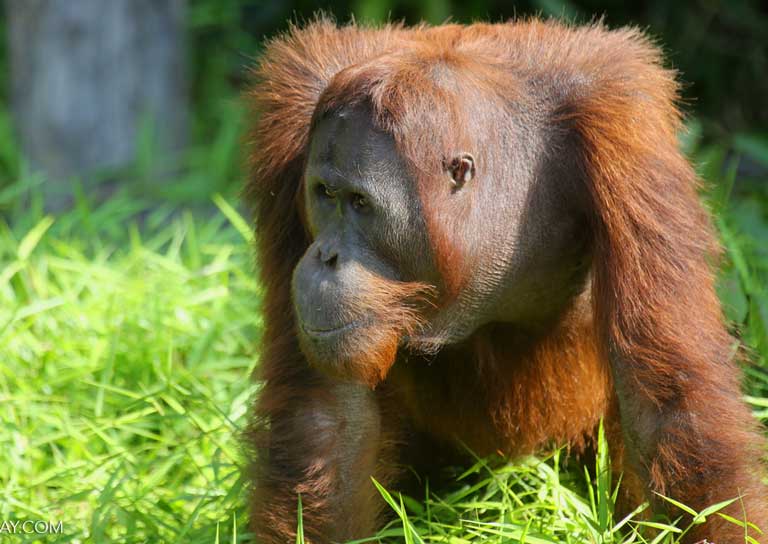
(649, 327)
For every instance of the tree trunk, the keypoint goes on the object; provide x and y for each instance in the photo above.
(87, 76)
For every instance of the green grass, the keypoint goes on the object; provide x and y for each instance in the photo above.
(533, 501)
(128, 331)
(124, 379)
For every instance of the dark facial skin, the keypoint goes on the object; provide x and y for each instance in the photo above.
(365, 220)
(365, 217)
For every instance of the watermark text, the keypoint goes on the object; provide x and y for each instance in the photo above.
(30, 526)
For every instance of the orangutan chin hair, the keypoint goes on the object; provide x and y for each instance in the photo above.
(393, 313)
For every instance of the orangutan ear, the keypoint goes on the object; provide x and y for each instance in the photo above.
(461, 169)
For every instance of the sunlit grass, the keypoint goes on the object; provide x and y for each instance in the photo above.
(536, 501)
(124, 377)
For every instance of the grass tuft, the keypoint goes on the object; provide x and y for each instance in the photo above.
(124, 383)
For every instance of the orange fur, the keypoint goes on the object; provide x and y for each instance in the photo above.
(649, 325)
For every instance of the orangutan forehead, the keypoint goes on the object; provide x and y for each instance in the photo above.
(347, 143)
(348, 152)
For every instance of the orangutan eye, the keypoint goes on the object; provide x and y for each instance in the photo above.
(324, 191)
(359, 202)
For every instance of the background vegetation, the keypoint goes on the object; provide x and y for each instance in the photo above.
(129, 325)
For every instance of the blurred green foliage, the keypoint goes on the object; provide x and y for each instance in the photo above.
(721, 48)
